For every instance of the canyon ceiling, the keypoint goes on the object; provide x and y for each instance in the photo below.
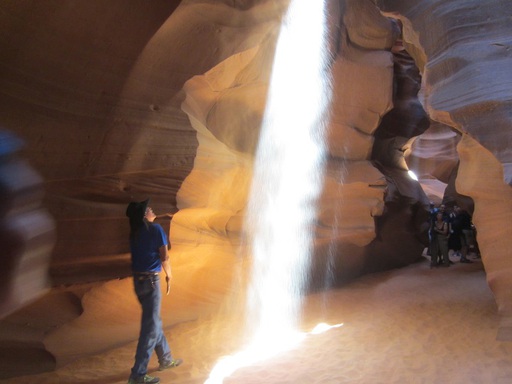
(104, 102)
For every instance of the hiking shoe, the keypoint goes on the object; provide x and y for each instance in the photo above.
(144, 380)
(170, 364)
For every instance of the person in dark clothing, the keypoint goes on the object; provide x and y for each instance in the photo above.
(455, 232)
(439, 245)
(149, 254)
(433, 212)
(464, 225)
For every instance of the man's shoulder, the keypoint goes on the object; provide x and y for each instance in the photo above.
(156, 227)
(157, 230)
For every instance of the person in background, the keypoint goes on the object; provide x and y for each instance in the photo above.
(149, 255)
(455, 232)
(466, 234)
(439, 242)
(433, 212)
(444, 211)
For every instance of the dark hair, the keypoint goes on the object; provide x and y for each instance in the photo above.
(136, 212)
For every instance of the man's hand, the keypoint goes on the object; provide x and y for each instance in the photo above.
(168, 281)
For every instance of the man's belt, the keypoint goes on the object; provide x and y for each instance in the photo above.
(146, 273)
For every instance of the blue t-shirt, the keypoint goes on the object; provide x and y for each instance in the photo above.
(145, 248)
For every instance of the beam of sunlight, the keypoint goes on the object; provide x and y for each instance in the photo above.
(256, 351)
(323, 327)
(288, 177)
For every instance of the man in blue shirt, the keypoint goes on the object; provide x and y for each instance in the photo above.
(148, 247)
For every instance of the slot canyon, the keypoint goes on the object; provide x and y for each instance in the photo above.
(107, 102)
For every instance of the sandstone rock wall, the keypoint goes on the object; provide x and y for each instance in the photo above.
(63, 70)
(226, 105)
(464, 49)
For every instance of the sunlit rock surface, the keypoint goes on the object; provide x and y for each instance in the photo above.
(226, 106)
(165, 101)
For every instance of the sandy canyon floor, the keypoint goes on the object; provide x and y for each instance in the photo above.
(413, 325)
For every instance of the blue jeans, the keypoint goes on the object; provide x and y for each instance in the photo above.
(151, 338)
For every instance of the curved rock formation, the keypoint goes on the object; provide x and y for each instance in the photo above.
(226, 106)
(462, 50)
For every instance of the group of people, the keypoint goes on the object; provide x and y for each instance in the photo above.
(450, 230)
